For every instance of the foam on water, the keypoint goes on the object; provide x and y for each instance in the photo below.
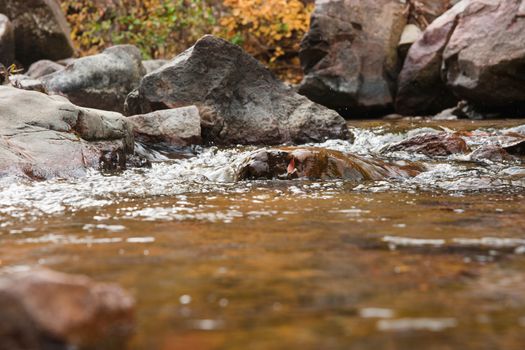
(210, 171)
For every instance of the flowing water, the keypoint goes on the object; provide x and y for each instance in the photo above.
(435, 261)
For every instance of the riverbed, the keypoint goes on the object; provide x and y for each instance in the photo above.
(436, 261)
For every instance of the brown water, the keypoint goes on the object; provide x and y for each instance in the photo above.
(434, 262)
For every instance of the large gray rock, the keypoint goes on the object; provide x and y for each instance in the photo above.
(484, 60)
(42, 68)
(101, 81)
(40, 305)
(246, 102)
(41, 30)
(45, 136)
(473, 52)
(177, 127)
(7, 41)
(349, 56)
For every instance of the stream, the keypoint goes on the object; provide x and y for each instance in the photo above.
(435, 261)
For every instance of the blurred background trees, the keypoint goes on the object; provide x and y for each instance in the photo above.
(270, 30)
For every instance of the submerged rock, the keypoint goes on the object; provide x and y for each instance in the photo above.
(101, 81)
(44, 306)
(317, 163)
(45, 136)
(177, 127)
(247, 103)
(42, 68)
(431, 144)
(41, 30)
(350, 54)
(7, 41)
(493, 153)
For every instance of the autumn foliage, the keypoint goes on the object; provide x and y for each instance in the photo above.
(270, 30)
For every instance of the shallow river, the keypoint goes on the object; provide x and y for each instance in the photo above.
(434, 262)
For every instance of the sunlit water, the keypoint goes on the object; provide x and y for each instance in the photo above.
(435, 261)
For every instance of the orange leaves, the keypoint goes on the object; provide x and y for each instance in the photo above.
(270, 30)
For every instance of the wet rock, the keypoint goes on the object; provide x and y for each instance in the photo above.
(420, 87)
(71, 309)
(493, 153)
(350, 56)
(431, 144)
(41, 30)
(151, 65)
(42, 68)
(317, 163)
(484, 57)
(101, 81)
(44, 136)
(253, 106)
(7, 41)
(177, 127)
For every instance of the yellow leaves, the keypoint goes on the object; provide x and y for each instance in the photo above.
(268, 29)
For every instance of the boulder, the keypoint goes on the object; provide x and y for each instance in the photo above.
(349, 55)
(245, 102)
(178, 127)
(420, 87)
(42, 305)
(45, 136)
(484, 59)
(100, 81)
(317, 163)
(42, 68)
(431, 144)
(41, 30)
(7, 41)
(474, 52)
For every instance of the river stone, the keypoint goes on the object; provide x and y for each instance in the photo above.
(45, 136)
(317, 163)
(484, 60)
(250, 104)
(7, 41)
(431, 144)
(177, 127)
(420, 87)
(42, 68)
(349, 55)
(100, 81)
(41, 30)
(70, 308)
